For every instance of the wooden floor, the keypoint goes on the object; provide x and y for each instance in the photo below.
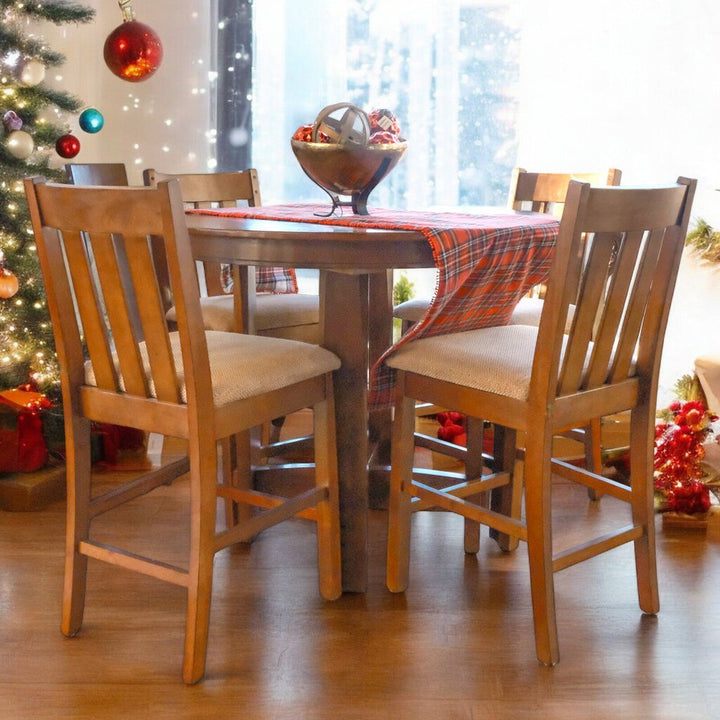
(457, 645)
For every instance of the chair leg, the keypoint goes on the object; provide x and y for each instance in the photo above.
(506, 500)
(203, 503)
(243, 474)
(403, 450)
(593, 452)
(328, 511)
(79, 486)
(539, 541)
(228, 469)
(473, 469)
(641, 442)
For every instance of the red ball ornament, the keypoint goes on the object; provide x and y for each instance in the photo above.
(67, 146)
(133, 51)
(8, 282)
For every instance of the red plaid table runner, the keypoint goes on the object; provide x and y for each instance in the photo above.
(485, 263)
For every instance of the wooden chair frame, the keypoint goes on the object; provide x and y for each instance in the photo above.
(575, 377)
(115, 320)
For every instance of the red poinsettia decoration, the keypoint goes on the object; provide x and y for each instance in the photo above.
(452, 427)
(678, 454)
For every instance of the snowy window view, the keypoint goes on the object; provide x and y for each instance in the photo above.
(448, 70)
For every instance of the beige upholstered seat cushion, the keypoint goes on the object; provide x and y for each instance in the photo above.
(529, 310)
(271, 311)
(411, 310)
(707, 368)
(243, 366)
(495, 359)
(526, 312)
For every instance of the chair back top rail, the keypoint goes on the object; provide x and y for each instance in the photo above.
(545, 192)
(96, 173)
(203, 190)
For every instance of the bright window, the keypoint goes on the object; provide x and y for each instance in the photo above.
(449, 70)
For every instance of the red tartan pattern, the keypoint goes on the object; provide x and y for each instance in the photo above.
(485, 263)
(275, 280)
(278, 280)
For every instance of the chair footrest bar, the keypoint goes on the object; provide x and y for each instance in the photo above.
(258, 523)
(502, 523)
(260, 499)
(446, 448)
(592, 480)
(462, 489)
(131, 561)
(139, 486)
(286, 446)
(599, 545)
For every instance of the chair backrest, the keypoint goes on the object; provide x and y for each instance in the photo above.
(621, 308)
(545, 192)
(96, 173)
(115, 175)
(207, 190)
(85, 235)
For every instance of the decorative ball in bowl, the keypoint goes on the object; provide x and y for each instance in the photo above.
(349, 155)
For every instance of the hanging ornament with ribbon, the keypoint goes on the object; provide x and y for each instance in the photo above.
(133, 50)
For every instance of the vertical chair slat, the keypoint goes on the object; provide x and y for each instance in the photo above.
(152, 318)
(70, 351)
(637, 306)
(613, 310)
(117, 307)
(90, 309)
(657, 311)
(591, 295)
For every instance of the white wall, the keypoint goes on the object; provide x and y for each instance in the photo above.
(632, 84)
(163, 122)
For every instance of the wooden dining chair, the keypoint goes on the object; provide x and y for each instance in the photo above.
(291, 315)
(529, 192)
(541, 380)
(121, 364)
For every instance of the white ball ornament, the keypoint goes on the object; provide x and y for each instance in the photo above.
(20, 144)
(31, 72)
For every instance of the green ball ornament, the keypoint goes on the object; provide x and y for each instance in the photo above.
(91, 120)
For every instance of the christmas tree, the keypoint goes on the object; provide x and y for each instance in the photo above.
(33, 116)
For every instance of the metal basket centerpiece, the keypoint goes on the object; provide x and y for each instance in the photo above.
(347, 151)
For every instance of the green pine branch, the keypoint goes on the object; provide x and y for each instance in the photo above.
(11, 37)
(57, 12)
(705, 240)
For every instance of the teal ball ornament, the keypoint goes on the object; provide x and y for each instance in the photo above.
(91, 120)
